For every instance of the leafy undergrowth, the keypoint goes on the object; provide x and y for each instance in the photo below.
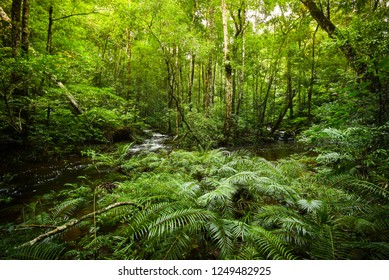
(204, 205)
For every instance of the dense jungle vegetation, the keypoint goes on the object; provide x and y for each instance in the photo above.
(90, 77)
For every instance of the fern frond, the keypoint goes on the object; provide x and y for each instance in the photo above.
(225, 170)
(220, 232)
(168, 222)
(242, 178)
(187, 191)
(270, 187)
(66, 209)
(43, 251)
(178, 246)
(220, 199)
(371, 188)
(309, 205)
(270, 246)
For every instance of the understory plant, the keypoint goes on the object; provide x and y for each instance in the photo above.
(211, 204)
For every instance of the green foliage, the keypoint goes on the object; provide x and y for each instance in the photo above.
(357, 150)
(218, 205)
(158, 62)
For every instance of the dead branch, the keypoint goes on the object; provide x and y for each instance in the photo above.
(73, 222)
(77, 108)
(79, 14)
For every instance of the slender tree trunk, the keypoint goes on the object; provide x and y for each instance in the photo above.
(241, 79)
(208, 89)
(16, 26)
(312, 81)
(129, 56)
(282, 114)
(49, 31)
(191, 79)
(289, 90)
(345, 46)
(25, 32)
(72, 100)
(261, 121)
(228, 76)
(198, 100)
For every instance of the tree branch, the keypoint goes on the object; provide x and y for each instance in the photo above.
(74, 222)
(79, 14)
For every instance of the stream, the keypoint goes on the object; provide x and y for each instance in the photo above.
(26, 182)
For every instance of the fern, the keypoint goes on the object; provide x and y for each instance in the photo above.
(220, 232)
(220, 199)
(371, 188)
(66, 209)
(270, 246)
(43, 251)
(309, 205)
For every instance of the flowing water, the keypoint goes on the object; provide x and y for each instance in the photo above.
(24, 183)
(31, 180)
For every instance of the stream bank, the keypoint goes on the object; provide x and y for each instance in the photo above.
(29, 181)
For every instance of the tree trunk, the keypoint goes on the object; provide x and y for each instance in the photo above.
(241, 79)
(282, 114)
(228, 77)
(312, 81)
(129, 57)
(25, 32)
(289, 87)
(360, 67)
(208, 89)
(49, 31)
(16, 26)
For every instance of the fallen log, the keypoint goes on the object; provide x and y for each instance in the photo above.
(73, 222)
(73, 102)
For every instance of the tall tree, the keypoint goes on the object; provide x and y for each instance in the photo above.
(228, 76)
(359, 65)
(16, 26)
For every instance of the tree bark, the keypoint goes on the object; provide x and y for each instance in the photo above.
(191, 79)
(312, 81)
(208, 89)
(228, 77)
(3, 15)
(25, 31)
(49, 31)
(16, 26)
